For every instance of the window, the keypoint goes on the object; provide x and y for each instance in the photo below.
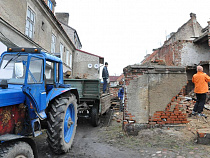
(35, 70)
(61, 51)
(49, 3)
(30, 21)
(67, 57)
(70, 59)
(53, 42)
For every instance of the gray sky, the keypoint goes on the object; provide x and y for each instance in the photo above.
(123, 31)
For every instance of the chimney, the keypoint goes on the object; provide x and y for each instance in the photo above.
(63, 17)
(192, 15)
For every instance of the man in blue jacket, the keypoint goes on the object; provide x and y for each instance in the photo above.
(105, 76)
(120, 96)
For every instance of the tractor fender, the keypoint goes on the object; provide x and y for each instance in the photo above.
(58, 91)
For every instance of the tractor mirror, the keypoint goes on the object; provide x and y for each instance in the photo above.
(18, 70)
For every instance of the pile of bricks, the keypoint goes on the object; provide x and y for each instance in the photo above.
(174, 113)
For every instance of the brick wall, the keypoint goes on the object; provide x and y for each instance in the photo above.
(114, 91)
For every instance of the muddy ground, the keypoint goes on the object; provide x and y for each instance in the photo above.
(111, 141)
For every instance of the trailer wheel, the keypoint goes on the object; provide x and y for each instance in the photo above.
(95, 119)
(62, 122)
(16, 150)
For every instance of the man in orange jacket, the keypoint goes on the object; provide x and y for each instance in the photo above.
(200, 80)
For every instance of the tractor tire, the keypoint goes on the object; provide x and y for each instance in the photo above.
(95, 119)
(18, 149)
(62, 122)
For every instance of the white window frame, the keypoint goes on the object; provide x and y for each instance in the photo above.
(30, 22)
(61, 51)
(53, 44)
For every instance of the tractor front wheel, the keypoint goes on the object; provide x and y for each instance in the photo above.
(62, 122)
(16, 150)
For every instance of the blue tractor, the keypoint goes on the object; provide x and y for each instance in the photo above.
(33, 98)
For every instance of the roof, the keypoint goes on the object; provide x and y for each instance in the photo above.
(121, 77)
(101, 59)
(72, 30)
(113, 78)
(150, 57)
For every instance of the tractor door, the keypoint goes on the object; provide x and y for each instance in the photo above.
(34, 86)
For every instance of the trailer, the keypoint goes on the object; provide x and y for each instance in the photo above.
(93, 103)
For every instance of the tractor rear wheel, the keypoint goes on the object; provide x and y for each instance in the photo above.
(16, 150)
(62, 122)
(95, 119)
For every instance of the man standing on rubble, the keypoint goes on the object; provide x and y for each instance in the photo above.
(105, 76)
(200, 80)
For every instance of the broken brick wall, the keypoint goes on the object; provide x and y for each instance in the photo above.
(114, 91)
(150, 89)
(183, 53)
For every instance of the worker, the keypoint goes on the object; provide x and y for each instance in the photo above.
(120, 96)
(200, 79)
(105, 76)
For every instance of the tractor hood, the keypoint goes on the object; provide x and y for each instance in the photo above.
(11, 96)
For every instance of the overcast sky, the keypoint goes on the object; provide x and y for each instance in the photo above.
(124, 31)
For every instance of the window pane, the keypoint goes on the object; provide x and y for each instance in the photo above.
(27, 28)
(35, 70)
(29, 13)
(32, 17)
(67, 57)
(61, 51)
(70, 58)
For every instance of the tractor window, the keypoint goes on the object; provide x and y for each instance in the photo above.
(35, 70)
(13, 68)
(49, 72)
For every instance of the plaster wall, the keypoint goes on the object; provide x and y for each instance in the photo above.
(192, 54)
(80, 66)
(138, 102)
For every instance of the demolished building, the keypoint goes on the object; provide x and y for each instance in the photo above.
(159, 83)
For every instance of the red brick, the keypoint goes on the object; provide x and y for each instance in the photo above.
(201, 135)
(177, 122)
(159, 111)
(158, 119)
(185, 121)
(155, 119)
(157, 114)
(164, 117)
(181, 117)
(168, 114)
(173, 116)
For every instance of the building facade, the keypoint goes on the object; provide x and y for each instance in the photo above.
(27, 23)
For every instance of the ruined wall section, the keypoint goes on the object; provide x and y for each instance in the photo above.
(138, 103)
(150, 89)
(184, 53)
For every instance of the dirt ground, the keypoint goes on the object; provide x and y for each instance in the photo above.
(111, 141)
